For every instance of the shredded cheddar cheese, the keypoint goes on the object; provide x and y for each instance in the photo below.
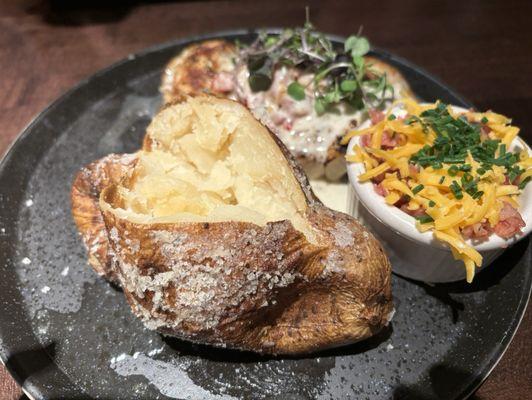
(453, 171)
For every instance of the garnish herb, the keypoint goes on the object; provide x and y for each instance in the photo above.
(417, 189)
(340, 75)
(457, 190)
(455, 139)
(525, 181)
(296, 91)
(424, 219)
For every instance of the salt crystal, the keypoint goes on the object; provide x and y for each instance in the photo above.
(155, 351)
(26, 261)
(136, 354)
(3, 230)
(29, 203)
(45, 289)
(389, 347)
(64, 272)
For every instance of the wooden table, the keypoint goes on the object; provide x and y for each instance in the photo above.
(481, 48)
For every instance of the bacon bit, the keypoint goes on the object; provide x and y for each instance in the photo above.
(414, 213)
(510, 222)
(414, 169)
(485, 131)
(278, 118)
(479, 231)
(365, 140)
(376, 116)
(485, 128)
(402, 201)
(223, 82)
(380, 190)
(516, 181)
(378, 178)
(389, 140)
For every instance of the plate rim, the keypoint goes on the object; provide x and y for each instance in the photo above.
(481, 375)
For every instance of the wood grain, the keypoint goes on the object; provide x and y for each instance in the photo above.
(481, 48)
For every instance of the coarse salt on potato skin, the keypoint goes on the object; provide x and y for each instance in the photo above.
(265, 287)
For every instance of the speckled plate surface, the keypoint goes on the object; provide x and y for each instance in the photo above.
(65, 333)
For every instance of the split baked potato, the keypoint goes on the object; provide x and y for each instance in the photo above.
(215, 236)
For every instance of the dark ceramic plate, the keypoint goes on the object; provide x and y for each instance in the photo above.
(64, 333)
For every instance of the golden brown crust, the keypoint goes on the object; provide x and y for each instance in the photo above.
(193, 71)
(268, 289)
(237, 284)
(86, 188)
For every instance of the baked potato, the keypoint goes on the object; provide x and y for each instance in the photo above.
(215, 236)
(213, 67)
(86, 189)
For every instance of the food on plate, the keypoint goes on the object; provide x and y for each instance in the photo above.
(204, 67)
(298, 83)
(86, 189)
(215, 236)
(456, 172)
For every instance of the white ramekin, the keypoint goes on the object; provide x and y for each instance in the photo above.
(414, 254)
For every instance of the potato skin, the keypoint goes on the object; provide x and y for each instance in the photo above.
(86, 188)
(237, 284)
(264, 289)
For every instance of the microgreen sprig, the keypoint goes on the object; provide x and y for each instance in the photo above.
(339, 75)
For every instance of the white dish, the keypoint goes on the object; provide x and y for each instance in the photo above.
(414, 254)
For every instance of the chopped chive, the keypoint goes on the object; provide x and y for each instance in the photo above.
(502, 149)
(391, 117)
(457, 139)
(453, 170)
(424, 219)
(417, 189)
(522, 185)
(432, 203)
(457, 190)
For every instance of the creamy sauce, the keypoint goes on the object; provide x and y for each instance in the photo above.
(296, 123)
(332, 194)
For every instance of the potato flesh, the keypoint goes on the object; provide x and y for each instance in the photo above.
(214, 162)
